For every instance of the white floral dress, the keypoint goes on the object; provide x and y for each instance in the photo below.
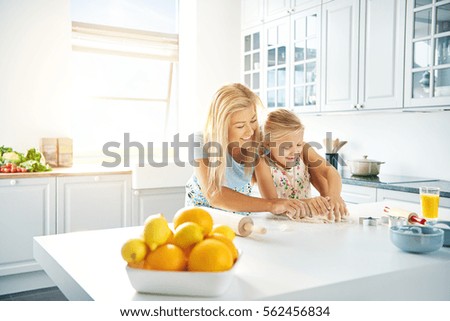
(291, 182)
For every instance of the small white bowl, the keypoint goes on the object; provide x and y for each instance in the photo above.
(183, 283)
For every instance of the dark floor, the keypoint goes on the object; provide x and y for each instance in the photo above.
(47, 294)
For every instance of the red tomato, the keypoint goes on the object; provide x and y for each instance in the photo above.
(8, 165)
(6, 170)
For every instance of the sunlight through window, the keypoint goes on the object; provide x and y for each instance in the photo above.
(125, 56)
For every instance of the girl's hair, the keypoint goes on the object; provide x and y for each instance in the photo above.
(227, 100)
(280, 123)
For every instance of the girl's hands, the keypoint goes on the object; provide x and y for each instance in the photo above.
(292, 208)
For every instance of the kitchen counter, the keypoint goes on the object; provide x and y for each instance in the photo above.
(76, 170)
(293, 261)
(397, 183)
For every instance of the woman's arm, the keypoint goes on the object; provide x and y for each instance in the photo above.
(326, 180)
(231, 200)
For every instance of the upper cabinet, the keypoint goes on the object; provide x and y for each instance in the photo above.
(281, 58)
(252, 58)
(252, 13)
(256, 12)
(362, 54)
(427, 58)
(348, 55)
(305, 61)
(276, 54)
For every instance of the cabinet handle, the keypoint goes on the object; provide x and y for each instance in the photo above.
(361, 106)
(13, 182)
(96, 178)
(136, 193)
(355, 107)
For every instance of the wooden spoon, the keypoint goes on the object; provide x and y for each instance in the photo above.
(341, 143)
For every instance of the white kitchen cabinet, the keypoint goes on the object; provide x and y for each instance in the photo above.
(356, 194)
(284, 67)
(252, 59)
(274, 9)
(27, 210)
(252, 13)
(304, 66)
(384, 194)
(157, 200)
(427, 55)
(93, 202)
(362, 54)
(277, 56)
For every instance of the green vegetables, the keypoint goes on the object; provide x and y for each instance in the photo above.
(32, 161)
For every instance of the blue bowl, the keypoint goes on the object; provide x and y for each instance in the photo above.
(446, 232)
(417, 239)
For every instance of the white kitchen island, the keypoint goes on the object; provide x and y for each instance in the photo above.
(293, 261)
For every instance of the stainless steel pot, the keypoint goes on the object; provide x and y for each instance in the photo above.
(365, 167)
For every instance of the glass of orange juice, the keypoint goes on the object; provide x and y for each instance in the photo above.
(429, 199)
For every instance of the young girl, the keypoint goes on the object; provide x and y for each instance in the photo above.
(228, 162)
(295, 166)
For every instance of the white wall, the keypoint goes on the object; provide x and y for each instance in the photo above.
(34, 64)
(210, 32)
(412, 144)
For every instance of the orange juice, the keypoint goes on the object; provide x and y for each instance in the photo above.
(430, 205)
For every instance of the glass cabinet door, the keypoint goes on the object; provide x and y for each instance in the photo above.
(305, 40)
(252, 61)
(430, 49)
(277, 37)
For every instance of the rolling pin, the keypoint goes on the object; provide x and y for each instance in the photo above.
(242, 225)
(410, 216)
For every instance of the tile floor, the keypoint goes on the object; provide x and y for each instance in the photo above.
(47, 294)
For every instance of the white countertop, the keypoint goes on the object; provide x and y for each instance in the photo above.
(293, 261)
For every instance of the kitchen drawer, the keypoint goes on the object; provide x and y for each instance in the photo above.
(384, 194)
(358, 194)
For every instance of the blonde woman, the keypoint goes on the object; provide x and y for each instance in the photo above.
(295, 166)
(228, 160)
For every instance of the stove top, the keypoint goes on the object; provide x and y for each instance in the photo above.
(388, 179)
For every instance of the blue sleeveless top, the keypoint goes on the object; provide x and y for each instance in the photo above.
(235, 178)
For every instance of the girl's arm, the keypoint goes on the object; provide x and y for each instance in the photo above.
(326, 180)
(263, 177)
(231, 200)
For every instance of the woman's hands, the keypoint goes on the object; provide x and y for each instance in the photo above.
(333, 207)
(318, 206)
(338, 208)
(292, 208)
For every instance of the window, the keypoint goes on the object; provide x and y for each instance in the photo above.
(125, 55)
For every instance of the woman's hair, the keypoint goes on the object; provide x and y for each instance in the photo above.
(280, 123)
(227, 100)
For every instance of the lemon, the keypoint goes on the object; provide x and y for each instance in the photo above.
(167, 257)
(187, 234)
(210, 255)
(229, 243)
(194, 214)
(224, 230)
(156, 231)
(134, 251)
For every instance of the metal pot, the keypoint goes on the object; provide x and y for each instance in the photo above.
(365, 167)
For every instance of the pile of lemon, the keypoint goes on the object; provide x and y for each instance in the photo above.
(195, 244)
